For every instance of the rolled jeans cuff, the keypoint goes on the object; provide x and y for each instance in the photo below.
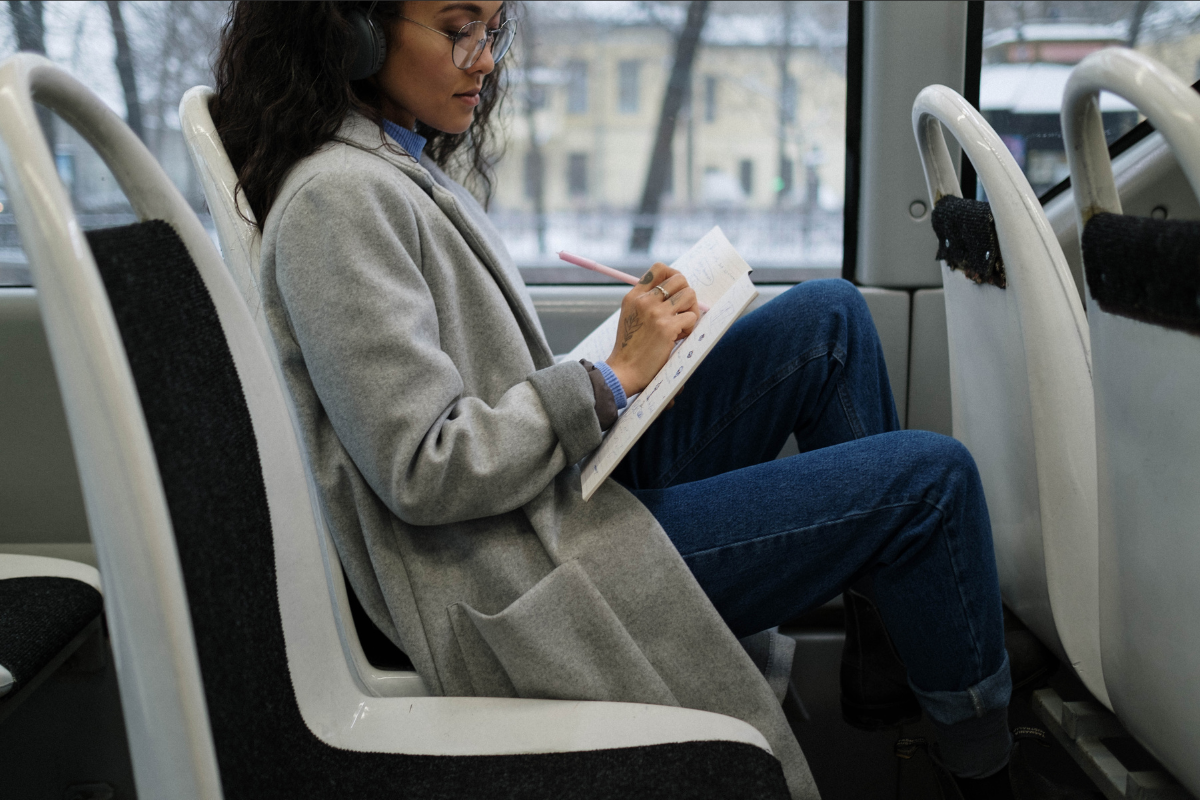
(950, 708)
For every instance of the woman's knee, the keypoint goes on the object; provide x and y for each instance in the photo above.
(831, 294)
(825, 302)
(945, 461)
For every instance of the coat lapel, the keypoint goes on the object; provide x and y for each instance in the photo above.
(361, 132)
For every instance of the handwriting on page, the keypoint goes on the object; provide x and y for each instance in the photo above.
(644, 409)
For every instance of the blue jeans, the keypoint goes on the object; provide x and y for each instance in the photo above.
(768, 539)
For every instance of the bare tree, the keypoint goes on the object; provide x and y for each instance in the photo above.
(678, 87)
(787, 103)
(124, 63)
(28, 21)
(181, 36)
(535, 166)
(1135, 24)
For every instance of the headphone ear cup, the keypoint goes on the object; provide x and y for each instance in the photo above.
(368, 45)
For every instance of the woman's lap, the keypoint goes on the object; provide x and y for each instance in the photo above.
(768, 539)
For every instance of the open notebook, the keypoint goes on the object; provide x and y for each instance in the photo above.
(721, 279)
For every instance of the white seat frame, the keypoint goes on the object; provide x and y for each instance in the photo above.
(1021, 393)
(161, 686)
(1147, 400)
(241, 243)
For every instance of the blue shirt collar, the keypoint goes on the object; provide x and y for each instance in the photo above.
(413, 143)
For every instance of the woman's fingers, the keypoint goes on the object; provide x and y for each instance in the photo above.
(687, 321)
(683, 300)
(655, 314)
(653, 277)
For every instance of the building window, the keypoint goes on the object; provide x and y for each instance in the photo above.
(628, 89)
(710, 98)
(577, 87)
(746, 176)
(533, 173)
(577, 174)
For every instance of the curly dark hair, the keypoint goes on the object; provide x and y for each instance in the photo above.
(282, 92)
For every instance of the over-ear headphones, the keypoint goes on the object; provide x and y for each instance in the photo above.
(367, 42)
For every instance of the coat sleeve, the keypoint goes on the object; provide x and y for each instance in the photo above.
(366, 325)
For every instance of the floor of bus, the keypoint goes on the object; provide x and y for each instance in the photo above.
(848, 763)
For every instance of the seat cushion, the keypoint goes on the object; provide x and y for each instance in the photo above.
(42, 614)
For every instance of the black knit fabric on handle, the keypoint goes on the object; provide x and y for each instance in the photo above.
(967, 239)
(1145, 269)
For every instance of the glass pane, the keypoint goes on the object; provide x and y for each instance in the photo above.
(170, 43)
(1029, 50)
(758, 144)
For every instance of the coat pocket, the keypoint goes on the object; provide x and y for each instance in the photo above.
(561, 640)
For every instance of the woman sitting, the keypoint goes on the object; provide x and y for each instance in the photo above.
(444, 437)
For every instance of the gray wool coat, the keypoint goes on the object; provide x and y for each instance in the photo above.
(443, 437)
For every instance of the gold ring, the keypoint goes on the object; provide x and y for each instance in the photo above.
(659, 288)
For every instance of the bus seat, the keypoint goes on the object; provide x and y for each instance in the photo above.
(1020, 381)
(241, 242)
(1142, 286)
(232, 675)
(240, 238)
(51, 606)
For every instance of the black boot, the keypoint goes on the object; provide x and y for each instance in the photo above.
(1019, 781)
(1030, 661)
(1028, 783)
(875, 692)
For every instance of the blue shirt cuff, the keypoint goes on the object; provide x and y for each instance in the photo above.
(614, 384)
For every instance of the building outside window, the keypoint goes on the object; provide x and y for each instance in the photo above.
(534, 171)
(787, 176)
(710, 98)
(628, 90)
(577, 87)
(751, 91)
(788, 99)
(746, 176)
(577, 174)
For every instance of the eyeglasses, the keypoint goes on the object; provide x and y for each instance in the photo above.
(471, 38)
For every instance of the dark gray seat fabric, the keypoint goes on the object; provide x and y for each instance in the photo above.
(207, 456)
(39, 617)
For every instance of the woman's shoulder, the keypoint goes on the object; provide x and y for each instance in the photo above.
(349, 172)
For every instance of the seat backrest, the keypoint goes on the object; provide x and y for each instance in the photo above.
(1142, 286)
(1020, 379)
(241, 244)
(225, 634)
(240, 238)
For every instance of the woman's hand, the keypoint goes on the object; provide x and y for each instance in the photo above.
(655, 314)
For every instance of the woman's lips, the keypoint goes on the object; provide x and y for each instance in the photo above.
(471, 98)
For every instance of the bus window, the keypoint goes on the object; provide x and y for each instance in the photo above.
(140, 58)
(757, 143)
(1029, 50)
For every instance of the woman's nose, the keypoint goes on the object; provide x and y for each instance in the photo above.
(485, 64)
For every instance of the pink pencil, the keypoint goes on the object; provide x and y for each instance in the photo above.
(594, 266)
